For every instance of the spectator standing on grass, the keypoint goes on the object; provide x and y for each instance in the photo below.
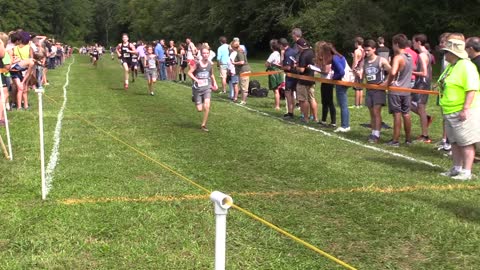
(459, 85)
(373, 72)
(472, 47)
(337, 62)
(141, 55)
(306, 88)
(191, 51)
(423, 79)
(241, 67)
(3, 80)
(203, 83)
(183, 62)
(357, 64)
(382, 50)
(288, 64)
(234, 79)
(399, 102)
(444, 144)
(273, 63)
(326, 89)
(222, 61)
(160, 52)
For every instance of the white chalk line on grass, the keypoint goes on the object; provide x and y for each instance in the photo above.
(53, 161)
(371, 147)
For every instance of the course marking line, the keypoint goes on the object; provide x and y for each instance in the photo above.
(49, 173)
(192, 197)
(371, 147)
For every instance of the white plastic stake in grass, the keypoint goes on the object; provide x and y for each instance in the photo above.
(56, 137)
(7, 128)
(40, 92)
(221, 202)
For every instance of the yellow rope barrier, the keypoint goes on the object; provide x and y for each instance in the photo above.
(168, 168)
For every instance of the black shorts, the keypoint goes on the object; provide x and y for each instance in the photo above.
(399, 104)
(184, 64)
(128, 61)
(420, 98)
(169, 63)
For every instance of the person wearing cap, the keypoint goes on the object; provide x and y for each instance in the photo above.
(306, 88)
(458, 86)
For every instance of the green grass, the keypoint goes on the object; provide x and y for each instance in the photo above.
(244, 152)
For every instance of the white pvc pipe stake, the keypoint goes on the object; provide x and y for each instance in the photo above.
(221, 202)
(7, 128)
(40, 92)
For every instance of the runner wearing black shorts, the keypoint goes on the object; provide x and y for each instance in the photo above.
(125, 50)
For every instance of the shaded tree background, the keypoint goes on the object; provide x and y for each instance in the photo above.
(253, 21)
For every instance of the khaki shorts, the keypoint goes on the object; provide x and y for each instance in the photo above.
(244, 81)
(305, 92)
(223, 71)
(466, 132)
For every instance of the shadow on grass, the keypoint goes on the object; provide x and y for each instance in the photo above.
(466, 210)
(410, 165)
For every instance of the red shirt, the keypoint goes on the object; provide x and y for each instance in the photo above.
(414, 56)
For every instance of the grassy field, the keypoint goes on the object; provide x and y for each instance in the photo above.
(111, 207)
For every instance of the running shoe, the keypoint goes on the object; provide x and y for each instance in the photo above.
(288, 115)
(204, 128)
(323, 123)
(408, 142)
(424, 139)
(373, 139)
(152, 94)
(342, 129)
(450, 173)
(243, 103)
(125, 86)
(462, 176)
(393, 143)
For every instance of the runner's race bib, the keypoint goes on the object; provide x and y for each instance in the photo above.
(371, 77)
(126, 55)
(202, 82)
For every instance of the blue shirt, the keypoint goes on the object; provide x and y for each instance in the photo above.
(338, 66)
(222, 54)
(287, 61)
(160, 52)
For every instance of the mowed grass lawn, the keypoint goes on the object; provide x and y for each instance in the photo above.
(112, 208)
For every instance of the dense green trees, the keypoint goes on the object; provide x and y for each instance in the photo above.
(254, 21)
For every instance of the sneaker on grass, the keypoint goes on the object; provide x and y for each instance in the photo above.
(450, 173)
(373, 139)
(393, 143)
(462, 176)
(342, 129)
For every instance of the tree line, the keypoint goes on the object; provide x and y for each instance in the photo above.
(255, 22)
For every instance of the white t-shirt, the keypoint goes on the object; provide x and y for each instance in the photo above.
(54, 52)
(274, 58)
(231, 66)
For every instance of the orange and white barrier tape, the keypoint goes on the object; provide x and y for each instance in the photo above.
(343, 83)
